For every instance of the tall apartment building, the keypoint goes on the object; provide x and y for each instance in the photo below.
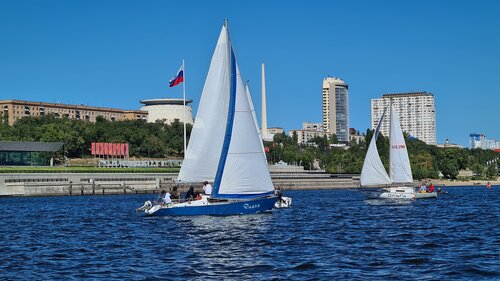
(17, 109)
(416, 110)
(336, 108)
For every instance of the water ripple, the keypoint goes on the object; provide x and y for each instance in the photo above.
(327, 234)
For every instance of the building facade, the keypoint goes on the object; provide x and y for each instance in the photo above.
(304, 136)
(416, 110)
(312, 126)
(168, 110)
(480, 141)
(16, 109)
(336, 108)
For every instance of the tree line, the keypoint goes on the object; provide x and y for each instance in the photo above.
(155, 140)
(162, 140)
(427, 161)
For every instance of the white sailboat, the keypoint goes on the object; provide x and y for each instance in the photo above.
(225, 146)
(375, 182)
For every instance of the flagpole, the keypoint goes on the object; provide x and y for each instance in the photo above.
(184, 100)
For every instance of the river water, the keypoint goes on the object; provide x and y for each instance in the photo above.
(325, 235)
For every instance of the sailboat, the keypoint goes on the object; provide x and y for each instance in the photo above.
(225, 146)
(374, 180)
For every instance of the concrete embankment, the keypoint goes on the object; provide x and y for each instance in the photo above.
(49, 184)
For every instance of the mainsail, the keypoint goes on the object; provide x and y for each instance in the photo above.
(400, 168)
(225, 145)
(205, 145)
(373, 172)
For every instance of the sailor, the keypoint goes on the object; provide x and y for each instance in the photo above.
(166, 199)
(423, 189)
(190, 194)
(176, 195)
(207, 188)
(431, 187)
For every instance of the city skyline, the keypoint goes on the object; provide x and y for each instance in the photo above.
(116, 53)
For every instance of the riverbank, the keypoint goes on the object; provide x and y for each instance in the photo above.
(464, 183)
(119, 181)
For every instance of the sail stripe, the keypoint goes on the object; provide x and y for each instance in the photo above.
(229, 126)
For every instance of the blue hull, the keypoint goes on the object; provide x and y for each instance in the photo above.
(250, 206)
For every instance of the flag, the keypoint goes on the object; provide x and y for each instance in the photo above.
(178, 78)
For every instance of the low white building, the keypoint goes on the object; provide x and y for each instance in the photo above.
(168, 110)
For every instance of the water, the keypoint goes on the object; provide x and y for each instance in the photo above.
(326, 235)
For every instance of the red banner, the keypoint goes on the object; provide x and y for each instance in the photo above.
(126, 149)
(92, 149)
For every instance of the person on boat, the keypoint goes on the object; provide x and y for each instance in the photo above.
(278, 192)
(488, 185)
(207, 188)
(190, 194)
(431, 187)
(423, 188)
(166, 199)
(176, 195)
(197, 196)
(160, 197)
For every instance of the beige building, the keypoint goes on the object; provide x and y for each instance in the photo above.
(336, 108)
(304, 136)
(17, 109)
(168, 110)
(416, 110)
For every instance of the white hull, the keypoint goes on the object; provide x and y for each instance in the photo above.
(285, 202)
(406, 193)
(426, 195)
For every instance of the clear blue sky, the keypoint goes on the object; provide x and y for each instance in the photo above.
(115, 53)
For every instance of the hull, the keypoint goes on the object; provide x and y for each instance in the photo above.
(405, 193)
(205, 207)
(427, 195)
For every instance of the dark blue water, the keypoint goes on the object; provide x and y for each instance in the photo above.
(326, 235)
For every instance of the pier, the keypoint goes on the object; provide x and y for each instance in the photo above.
(57, 184)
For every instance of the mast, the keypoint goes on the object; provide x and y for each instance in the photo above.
(264, 108)
(390, 134)
(184, 103)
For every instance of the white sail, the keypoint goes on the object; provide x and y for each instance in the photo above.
(245, 172)
(205, 145)
(400, 169)
(254, 116)
(373, 172)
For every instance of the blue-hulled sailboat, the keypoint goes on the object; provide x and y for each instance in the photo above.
(225, 146)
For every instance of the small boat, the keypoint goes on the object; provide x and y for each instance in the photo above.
(375, 182)
(225, 146)
(426, 195)
(283, 202)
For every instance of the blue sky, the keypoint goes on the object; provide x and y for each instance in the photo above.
(115, 53)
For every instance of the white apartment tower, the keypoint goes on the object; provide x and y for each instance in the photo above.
(416, 110)
(336, 108)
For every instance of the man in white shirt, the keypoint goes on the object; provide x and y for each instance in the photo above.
(166, 199)
(207, 188)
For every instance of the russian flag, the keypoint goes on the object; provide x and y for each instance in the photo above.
(179, 78)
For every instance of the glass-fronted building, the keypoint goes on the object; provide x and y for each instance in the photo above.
(16, 153)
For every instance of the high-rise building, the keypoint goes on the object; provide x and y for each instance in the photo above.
(336, 108)
(416, 110)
